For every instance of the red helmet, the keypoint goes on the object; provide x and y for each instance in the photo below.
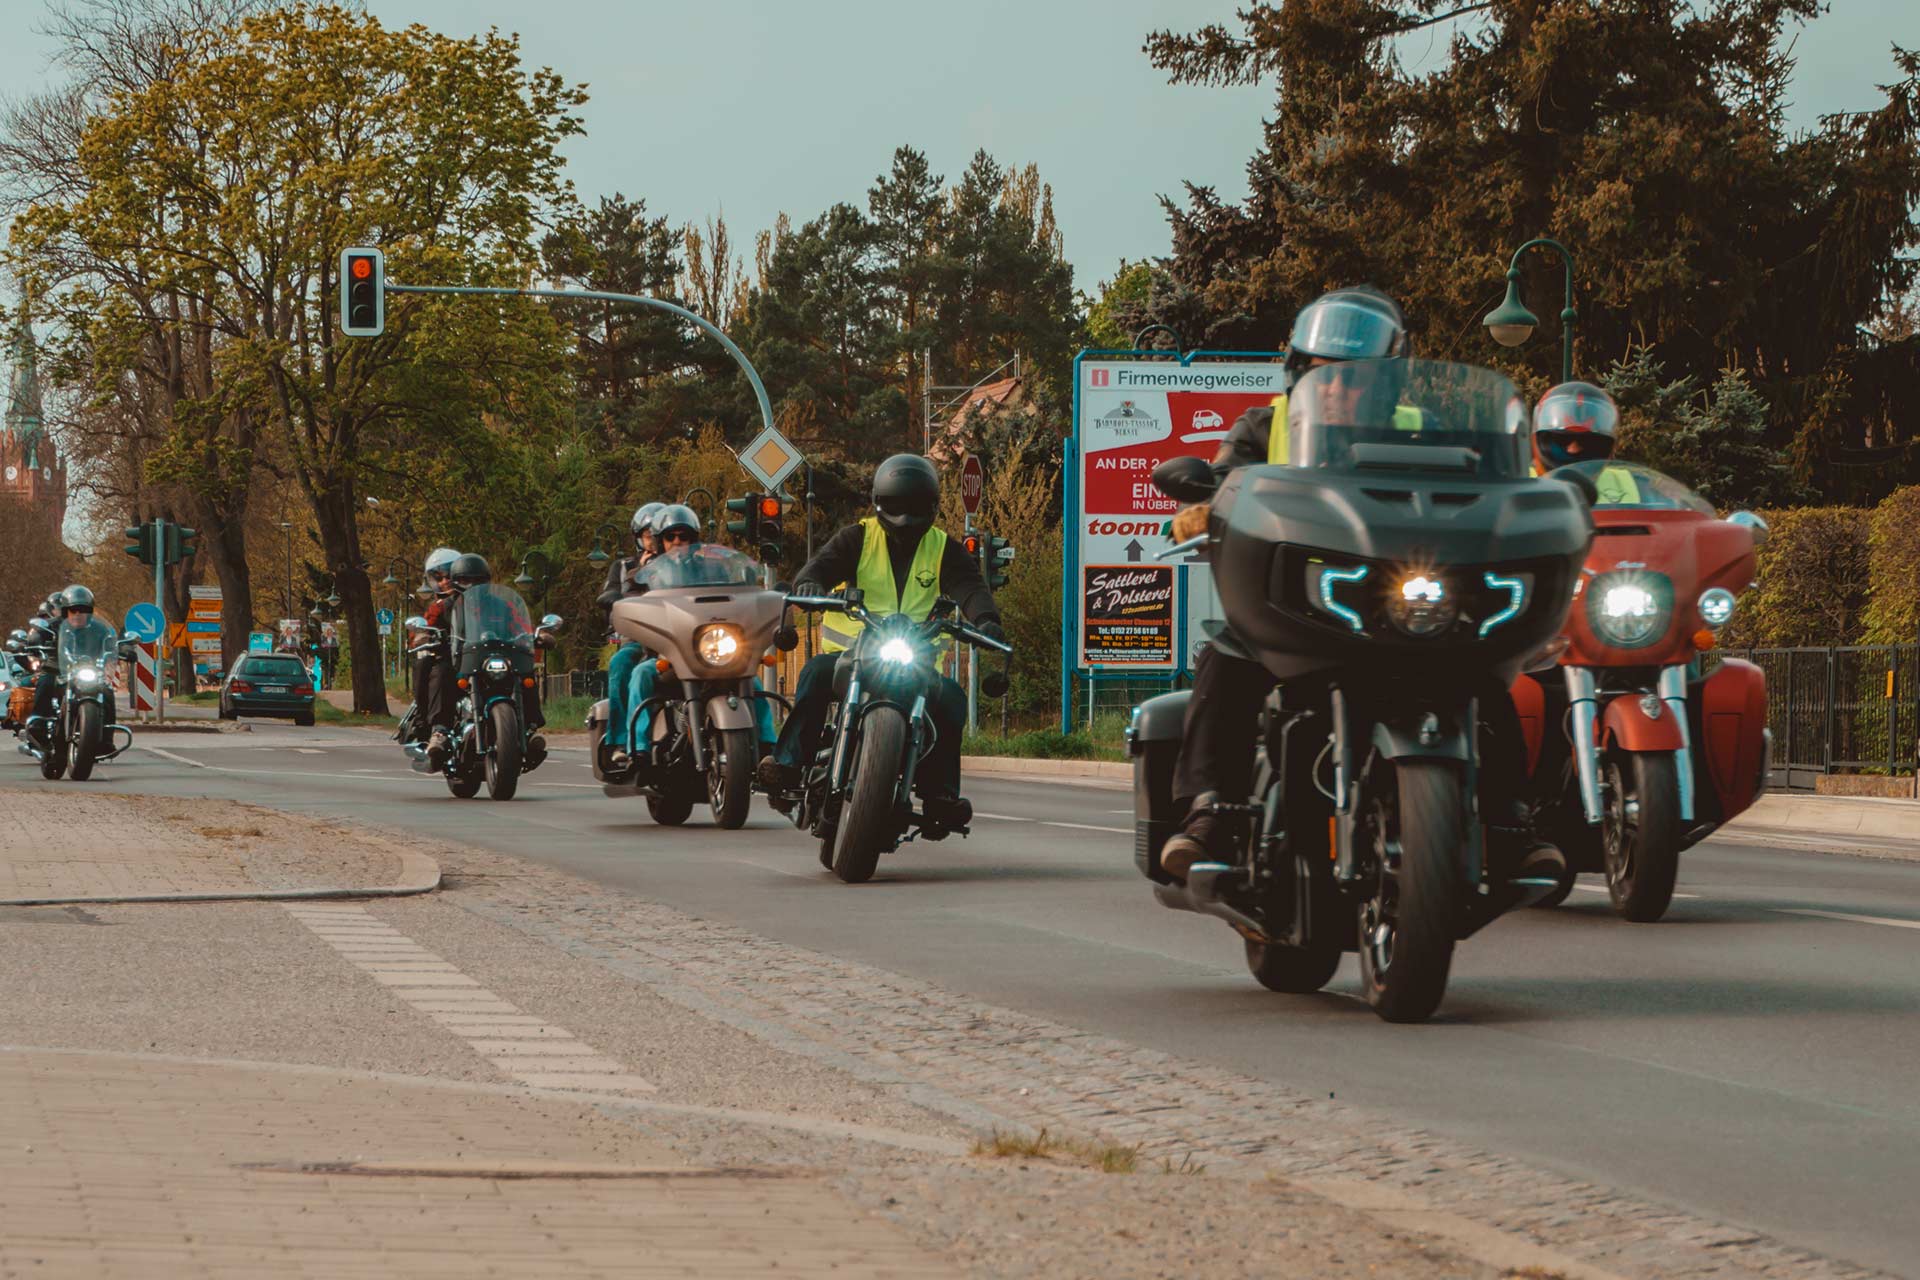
(1574, 422)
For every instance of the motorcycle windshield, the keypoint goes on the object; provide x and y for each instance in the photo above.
(90, 645)
(706, 565)
(1408, 415)
(1631, 486)
(492, 614)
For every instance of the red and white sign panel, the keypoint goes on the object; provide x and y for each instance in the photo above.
(1132, 416)
(145, 677)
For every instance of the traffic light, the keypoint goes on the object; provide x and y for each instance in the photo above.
(363, 299)
(140, 543)
(745, 531)
(768, 534)
(180, 543)
(996, 559)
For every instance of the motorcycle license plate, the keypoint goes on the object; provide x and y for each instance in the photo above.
(273, 688)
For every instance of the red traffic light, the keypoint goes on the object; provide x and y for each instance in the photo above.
(361, 267)
(973, 544)
(770, 508)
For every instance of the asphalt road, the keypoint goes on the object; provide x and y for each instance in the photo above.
(1755, 1057)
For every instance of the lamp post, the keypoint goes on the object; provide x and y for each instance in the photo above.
(287, 529)
(399, 607)
(1511, 324)
(605, 537)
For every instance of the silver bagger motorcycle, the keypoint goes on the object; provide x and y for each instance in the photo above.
(856, 794)
(80, 731)
(1403, 563)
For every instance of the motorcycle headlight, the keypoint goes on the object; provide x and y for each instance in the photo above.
(1328, 583)
(1511, 592)
(897, 650)
(717, 645)
(497, 666)
(88, 676)
(1420, 604)
(1716, 607)
(1629, 609)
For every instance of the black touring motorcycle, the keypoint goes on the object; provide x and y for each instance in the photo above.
(1403, 562)
(857, 793)
(493, 642)
(80, 731)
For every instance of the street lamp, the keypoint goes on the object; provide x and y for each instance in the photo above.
(607, 535)
(1511, 324)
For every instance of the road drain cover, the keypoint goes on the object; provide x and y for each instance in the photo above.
(504, 1172)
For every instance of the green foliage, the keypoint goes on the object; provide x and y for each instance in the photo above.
(1713, 441)
(1893, 614)
(1041, 744)
(1121, 300)
(1813, 581)
(1649, 137)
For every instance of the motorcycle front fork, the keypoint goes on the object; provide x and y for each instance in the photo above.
(1671, 692)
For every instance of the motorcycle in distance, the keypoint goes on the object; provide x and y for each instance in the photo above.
(1403, 561)
(709, 620)
(856, 795)
(79, 732)
(24, 653)
(1659, 749)
(493, 640)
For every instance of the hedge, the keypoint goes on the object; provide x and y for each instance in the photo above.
(1835, 576)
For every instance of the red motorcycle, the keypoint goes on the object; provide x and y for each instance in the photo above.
(1663, 742)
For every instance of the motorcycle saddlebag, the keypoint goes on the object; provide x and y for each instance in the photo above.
(597, 718)
(20, 703)
(1153, 741)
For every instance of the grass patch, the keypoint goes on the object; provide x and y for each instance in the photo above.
(325, 712)
(569, 712)
(207, 699)
(1045, 744)
(1046, 1145)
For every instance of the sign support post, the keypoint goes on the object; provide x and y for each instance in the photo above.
(160, 603)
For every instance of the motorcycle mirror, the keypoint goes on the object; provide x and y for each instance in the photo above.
(786, 639)
(1753, 524)
(1186, 479)
(551, 621)
(855, 596)
(416, 622)
(784, 587)
(1581, 482)
(994, 684)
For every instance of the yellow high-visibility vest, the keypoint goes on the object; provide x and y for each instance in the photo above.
(1405, 418)
(1617, 487)
(874, 576)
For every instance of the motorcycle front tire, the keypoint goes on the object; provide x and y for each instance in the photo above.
(1430, 894)
(730, 777)
(868, 824)
(503, 762)
(85, 743)
(1642, 850)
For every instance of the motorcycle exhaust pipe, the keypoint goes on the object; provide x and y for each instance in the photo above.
(1200, 895)
(1585, 716)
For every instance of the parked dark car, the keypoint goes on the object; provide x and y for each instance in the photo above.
(268, 684)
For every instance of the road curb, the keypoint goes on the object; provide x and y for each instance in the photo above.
(1079, 773)
(418, 874)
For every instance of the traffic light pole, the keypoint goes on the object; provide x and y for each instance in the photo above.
(973, 673)
(596, 295)
(160, 603)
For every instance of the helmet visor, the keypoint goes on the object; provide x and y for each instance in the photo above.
(912, 504)
(1344, 329)
(1558, 448)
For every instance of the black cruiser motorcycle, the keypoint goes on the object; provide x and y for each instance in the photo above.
(1402, 562)
(857, 795)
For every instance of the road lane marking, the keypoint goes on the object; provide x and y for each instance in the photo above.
(529, 1049)
(1600, 888)
(1850, 918)
(1084, 826)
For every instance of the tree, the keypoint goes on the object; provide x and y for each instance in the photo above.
(304, 129)
(1713, 441)
(1647, 134)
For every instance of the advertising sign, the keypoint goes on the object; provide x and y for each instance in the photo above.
(1126, 615)
(1129, 416)
(260, 642)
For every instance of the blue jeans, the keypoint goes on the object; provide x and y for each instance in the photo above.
(620, 671)
(648, 676)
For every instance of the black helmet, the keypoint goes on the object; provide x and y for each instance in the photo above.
(1360, 323)
(674, 515)
(76, 597)
(642, 521)
(906, 493)
(469, 569)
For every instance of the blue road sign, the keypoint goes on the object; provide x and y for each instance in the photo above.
(208, 627)
(384, 617)
(146, 623)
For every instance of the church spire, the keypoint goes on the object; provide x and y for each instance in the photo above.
(24, 410)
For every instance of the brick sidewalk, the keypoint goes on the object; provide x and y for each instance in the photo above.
(74, 846)
(118, 1165)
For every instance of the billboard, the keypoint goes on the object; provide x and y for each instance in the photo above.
(1129, 416)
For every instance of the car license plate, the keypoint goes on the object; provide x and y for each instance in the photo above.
(273, 688)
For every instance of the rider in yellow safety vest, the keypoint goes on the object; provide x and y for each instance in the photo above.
(1578, 422)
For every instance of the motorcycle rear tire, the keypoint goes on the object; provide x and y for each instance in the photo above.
(672, 808)
(465, 786)
(1643, 853)
(868, 824)
(85, 743)
(1429, 895)
(503, 762)
(1560, 892)
(1294, 970)
(730, 777)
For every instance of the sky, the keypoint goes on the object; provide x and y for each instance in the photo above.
(755, 107)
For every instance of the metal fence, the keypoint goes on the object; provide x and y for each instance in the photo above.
(1845, 708)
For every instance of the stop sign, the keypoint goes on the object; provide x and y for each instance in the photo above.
(973, 480)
